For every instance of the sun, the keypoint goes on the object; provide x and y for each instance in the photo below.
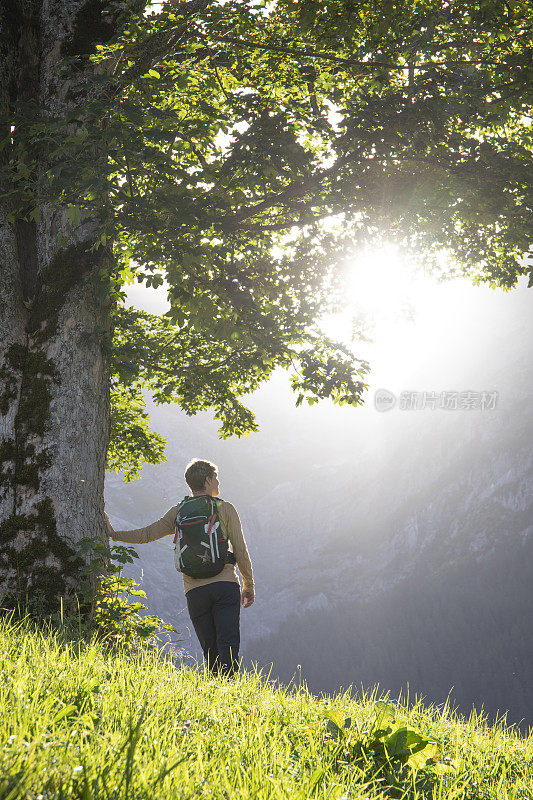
(382, 291)
(379, 281)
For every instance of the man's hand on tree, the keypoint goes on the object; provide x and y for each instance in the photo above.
(110, 529)
(247, 597)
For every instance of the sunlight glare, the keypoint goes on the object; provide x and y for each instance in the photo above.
(388, 303)
(382, 291)
(380, 282)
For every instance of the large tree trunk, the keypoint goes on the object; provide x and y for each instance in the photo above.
(54, 382)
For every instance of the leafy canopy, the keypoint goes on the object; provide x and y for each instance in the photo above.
(243, 151)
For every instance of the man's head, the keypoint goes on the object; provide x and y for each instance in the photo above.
(202, 478)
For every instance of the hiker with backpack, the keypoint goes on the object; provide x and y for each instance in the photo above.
(203, 526)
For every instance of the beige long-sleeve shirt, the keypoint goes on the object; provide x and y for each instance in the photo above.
(231, 528)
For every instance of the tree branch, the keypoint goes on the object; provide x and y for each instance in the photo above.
(370, 63)
(296, 189)
(155, 47)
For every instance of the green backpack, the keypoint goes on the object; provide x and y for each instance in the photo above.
(200, 546)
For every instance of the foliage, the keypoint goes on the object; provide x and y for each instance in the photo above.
(132, 441)
(79, 721)
(243, 152)
(381, 750)
(112, 616)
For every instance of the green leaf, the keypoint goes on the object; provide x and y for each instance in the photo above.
(316, 777)
(335, 723)
(74, 215)
(67, 711)
(403, 742)
(379, 733)
(385, 711)
(420, 758)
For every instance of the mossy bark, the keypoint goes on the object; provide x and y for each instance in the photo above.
(54, 328)
(56, 453)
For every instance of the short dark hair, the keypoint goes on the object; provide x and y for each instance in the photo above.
(198, 472)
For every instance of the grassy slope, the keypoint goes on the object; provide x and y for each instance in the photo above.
(80, 722)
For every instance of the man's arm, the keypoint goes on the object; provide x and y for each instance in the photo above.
(234, 530)
(162, 527)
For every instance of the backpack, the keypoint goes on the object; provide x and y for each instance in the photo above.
(200, 546)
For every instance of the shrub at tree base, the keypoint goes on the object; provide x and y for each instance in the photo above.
(106, 595)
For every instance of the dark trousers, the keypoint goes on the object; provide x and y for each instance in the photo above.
(214, 610)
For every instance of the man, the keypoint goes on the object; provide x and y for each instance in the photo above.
(213, 603)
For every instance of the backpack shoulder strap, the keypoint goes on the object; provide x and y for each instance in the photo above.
(184, 502)
(186, 499)
(219, 501)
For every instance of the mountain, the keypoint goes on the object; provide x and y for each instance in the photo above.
(389, 547)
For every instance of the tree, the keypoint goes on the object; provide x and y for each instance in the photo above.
(213, 145)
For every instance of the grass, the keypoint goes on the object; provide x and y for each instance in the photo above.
(79, 721)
